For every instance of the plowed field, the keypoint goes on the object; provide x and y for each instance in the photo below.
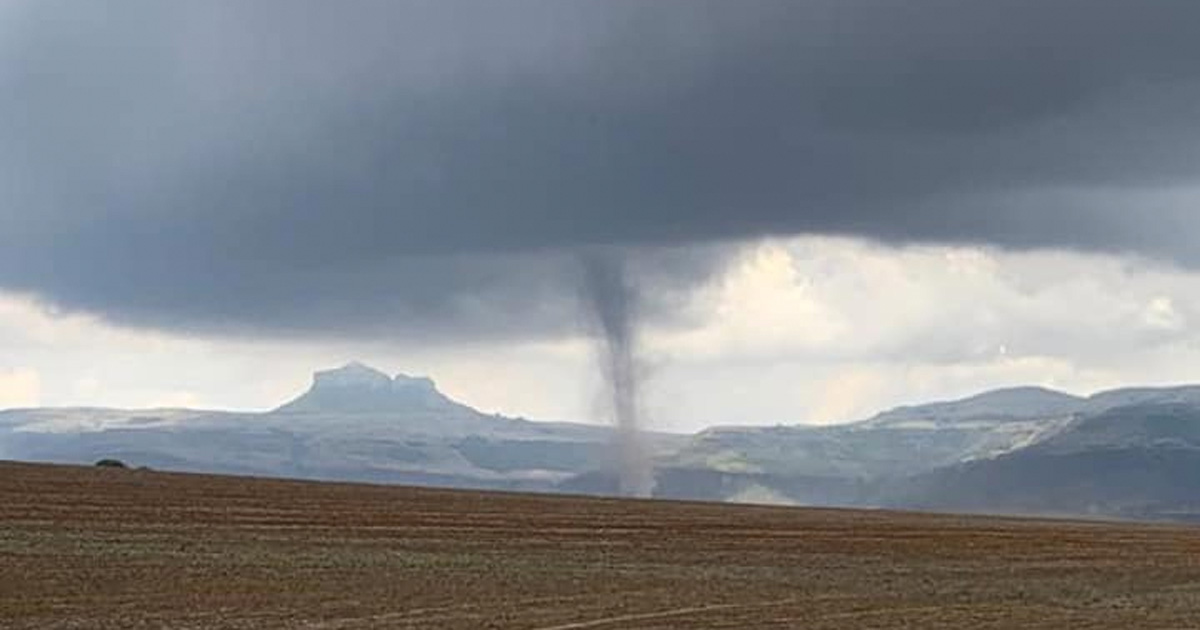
(100, 548)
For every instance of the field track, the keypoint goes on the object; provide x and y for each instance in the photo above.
(100, 548)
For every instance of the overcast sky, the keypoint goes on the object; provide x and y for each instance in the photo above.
(825, 206)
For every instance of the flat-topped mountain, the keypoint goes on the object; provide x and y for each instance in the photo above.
(353, 423)
(357, 388)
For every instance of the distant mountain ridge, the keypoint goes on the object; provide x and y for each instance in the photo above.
(1026, 450)
(1023, 403)
(1124, 397)
(1013, 403)
(1128, 452)
(1136, 461)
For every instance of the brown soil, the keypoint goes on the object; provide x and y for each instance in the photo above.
(101, 548)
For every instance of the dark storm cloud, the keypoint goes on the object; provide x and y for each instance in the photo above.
(312, 166)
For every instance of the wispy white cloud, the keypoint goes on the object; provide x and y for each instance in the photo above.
(19, 387)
